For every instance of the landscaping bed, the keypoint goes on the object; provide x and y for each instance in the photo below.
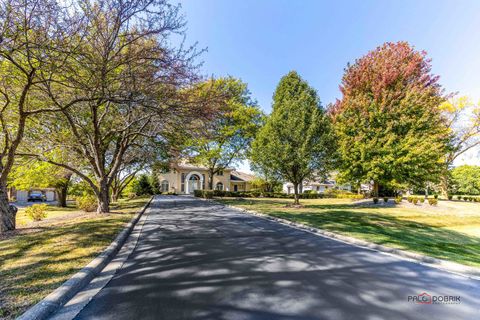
(38, 257)
(449, 230)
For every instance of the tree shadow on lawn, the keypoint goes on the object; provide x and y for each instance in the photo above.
(32, 265)
(388, 230)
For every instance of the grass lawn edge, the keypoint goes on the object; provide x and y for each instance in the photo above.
(453, 267)
(58, 297)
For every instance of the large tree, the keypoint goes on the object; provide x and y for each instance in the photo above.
(388, 124)
(35, 38)
(295, 142)
(125, 87)
(225, 139)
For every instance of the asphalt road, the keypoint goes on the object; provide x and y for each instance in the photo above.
(198, 260)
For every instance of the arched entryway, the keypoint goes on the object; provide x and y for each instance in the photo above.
(194, 181)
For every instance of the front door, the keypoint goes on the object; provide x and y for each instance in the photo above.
(235, 188)
(193, 183)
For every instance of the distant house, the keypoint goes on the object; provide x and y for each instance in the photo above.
(23, 195)
(184, 178)
(317, 185)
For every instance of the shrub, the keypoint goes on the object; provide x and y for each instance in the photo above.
(410, 199)
(87, 203)
(450, 197)
(398, 199)
(36, 212)
(375, 200)
(385, 199)
(435, 196)
(459, 197)
(421, 199)
(198, 193)
(465, 198)
(208, 194)
(415, 200)
(433, 202)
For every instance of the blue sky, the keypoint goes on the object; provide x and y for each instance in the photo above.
(260, 41)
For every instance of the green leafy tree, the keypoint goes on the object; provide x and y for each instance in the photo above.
(463, 121)
(225, 139)
(142, 186)
(36, 174)
(389, 127)
(122, 88)
(295, 143)
(466, 179)
(34, 38)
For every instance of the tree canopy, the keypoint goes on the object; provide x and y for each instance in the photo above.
(466, 179)
(226, 139)
(388, 124)
(295, 143)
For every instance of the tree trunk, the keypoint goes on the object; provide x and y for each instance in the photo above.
(210, 179)
(444, 185)
(115, 194)
(62, 196)
(103, 198)
(296, 197)
(62, 190)
(7, 212)
(375, 189)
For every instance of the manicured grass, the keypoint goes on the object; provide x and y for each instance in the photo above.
(43, 255)
(448, 231)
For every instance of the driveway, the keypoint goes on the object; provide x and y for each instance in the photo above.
(199, 260)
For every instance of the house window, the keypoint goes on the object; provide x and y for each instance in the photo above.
(164, 186)
(203, 182)
(183, 182)
(235, 187)
(219, 186)
(220, 173)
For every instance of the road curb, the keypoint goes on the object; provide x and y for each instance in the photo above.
(470, 272)
(56, 299)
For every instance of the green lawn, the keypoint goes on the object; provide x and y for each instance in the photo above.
(41, 256)
(448, 231)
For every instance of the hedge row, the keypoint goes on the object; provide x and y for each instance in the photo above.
(209, 194)
(469, 198)
(415, 200)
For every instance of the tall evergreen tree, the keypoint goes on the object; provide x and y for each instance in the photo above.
(295, 142)
(389, 126)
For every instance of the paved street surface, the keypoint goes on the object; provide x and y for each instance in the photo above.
(198, 260)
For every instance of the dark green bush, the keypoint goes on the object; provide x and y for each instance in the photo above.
(208, 194)
(375, 200)
(385, 199)
(435, 196)
(450, 197)
(433, 202)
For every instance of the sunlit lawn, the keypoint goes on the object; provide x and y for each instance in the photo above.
(448, 231)
(44, 255)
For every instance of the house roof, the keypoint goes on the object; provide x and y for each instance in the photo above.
(241, 176)
(193, 166)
